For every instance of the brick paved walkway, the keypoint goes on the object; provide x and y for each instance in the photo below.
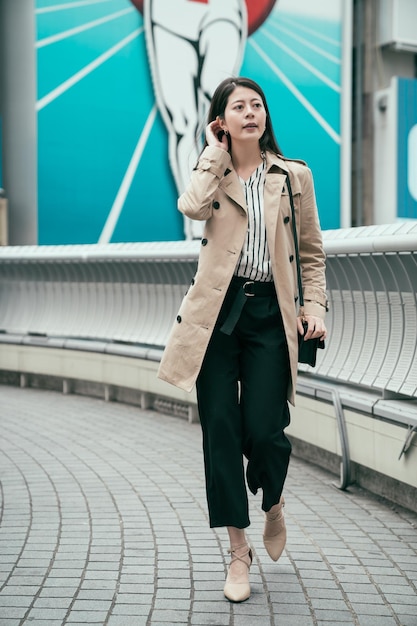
(103, 521)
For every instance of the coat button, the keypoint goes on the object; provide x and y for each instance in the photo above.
(291, 258)
(286, 219)
(192, 281)
(179, 319)
(204, 242)
(216, 205)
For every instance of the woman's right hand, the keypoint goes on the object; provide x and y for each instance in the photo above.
(215, 135)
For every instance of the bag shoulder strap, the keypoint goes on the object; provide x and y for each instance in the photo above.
(294, 232)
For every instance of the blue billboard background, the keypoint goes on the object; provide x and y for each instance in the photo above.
(407, 149)
(102, 144)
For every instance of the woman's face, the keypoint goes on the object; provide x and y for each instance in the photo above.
(244, 116)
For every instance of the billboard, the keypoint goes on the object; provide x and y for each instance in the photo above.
(123, 90)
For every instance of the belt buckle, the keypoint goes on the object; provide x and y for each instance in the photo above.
(248, 282)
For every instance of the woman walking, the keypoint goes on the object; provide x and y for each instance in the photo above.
(236, 333)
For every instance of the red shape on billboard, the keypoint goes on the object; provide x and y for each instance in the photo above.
(258, 11)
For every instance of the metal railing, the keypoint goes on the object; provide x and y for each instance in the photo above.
(122, 299)
(129, 294)
(372, 283)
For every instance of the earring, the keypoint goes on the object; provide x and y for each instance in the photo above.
(226, 132)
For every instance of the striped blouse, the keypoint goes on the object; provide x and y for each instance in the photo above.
(254, 262)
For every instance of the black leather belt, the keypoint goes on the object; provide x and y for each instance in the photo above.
(244, 288)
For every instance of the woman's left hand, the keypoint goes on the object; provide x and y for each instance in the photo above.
(316, 327)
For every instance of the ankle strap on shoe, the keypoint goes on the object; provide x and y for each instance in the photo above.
(241, 557)
(233, 549)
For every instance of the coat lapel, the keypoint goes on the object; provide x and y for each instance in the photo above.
(231, 186)
(274, 187)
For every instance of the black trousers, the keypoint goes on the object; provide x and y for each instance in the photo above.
(242, 401)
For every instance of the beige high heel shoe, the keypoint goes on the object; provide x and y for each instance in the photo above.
(275, 532)
(237, 587)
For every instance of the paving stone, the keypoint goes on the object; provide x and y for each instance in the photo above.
(132, 610)
(329, 604)
(20, 591)
(170, 616)
(115, 503)
(371, 608)
(284, 608)
(11, 612)
(407, 608)
(174, 593)
(249, 620)
(14, 601)
(204, 619)
(334, 617)
(52, 603)
(46, 613)
(367, 620)
(294, 620)
(117, 620)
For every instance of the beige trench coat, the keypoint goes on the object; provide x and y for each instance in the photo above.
(215, 194)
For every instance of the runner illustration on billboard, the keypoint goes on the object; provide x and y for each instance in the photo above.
(192, 45)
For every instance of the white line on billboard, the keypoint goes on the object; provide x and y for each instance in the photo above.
(63, 87)
(306, 43)
(124, 188)
(311, 31)
(297, 93)
(79, 29)
(68, 5)
(302, 62)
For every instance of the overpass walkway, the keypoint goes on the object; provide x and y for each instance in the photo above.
(103, 521)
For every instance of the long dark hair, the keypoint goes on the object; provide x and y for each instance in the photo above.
(219, 102)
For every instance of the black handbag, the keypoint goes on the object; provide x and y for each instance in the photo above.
(307, 350)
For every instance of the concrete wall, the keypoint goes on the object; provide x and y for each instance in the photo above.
(375, 447)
